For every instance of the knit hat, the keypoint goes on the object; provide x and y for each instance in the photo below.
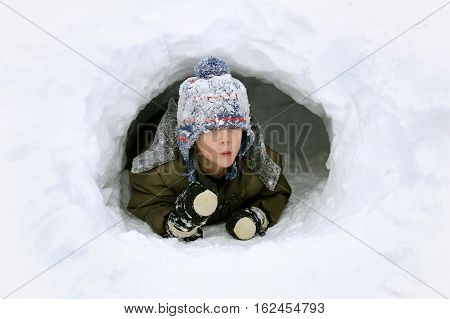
(210, 100)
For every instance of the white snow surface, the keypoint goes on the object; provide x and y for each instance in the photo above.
(73, 76)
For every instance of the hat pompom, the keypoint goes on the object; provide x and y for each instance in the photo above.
(211, 66)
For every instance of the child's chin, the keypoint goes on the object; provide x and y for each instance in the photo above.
(225, 163)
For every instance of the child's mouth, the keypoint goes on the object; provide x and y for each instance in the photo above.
(227, 154)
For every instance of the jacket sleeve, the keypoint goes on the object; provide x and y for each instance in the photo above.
(151, 199)
(273, 202)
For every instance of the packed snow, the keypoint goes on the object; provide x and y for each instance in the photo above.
(74, 75)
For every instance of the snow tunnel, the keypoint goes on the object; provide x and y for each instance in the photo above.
(372, 92)
(290, 128)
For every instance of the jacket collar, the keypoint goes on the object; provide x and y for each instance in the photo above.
(164, 149)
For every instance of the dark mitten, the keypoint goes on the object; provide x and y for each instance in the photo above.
(245, 223)
(172, 231)
(193, 207)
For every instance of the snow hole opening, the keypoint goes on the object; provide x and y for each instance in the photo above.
(292, 129)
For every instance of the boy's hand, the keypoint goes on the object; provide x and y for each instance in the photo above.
(193, 207)
(245, 223)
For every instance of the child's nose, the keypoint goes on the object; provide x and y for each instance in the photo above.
(225, 137)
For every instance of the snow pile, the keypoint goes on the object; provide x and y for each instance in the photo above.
(66, 108)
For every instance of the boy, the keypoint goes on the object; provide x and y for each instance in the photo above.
(208, 163)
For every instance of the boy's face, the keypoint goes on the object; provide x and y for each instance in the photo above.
(220, 146)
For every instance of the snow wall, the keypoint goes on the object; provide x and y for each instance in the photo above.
(72, 83)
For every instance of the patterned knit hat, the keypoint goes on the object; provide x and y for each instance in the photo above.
(210, 100)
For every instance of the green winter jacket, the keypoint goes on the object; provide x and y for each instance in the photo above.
(159, 174)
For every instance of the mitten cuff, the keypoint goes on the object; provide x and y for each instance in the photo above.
(179, 233)
(172, 231)
(262, 217)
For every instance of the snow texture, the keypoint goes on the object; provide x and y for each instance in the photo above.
(65, 112)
